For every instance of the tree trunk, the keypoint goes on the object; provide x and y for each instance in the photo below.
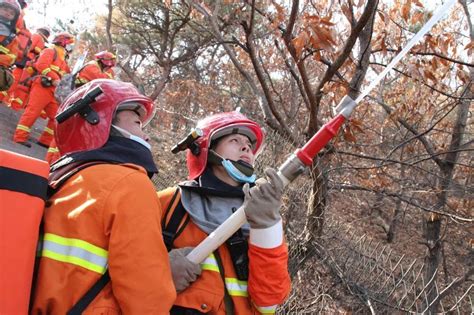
(432, 259)
(317, 201)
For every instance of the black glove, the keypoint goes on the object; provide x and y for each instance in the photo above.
(46, 81)
(184, 271)
(262, 202)
(6, 78)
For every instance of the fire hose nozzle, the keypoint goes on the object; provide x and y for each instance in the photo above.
(346, 106)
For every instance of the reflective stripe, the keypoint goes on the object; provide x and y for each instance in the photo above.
(49, 130)
(4, 50)
(4, 93)
(53, 150)
(267, 309)
(37, 50)
(74, 251)
(58, 70)
(236, 287)
(23, 127)
(210, 263)
(46, 71)
(109, 75)
(81, 81)
(18, 100)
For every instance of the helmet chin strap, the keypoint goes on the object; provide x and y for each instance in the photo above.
(240, 171)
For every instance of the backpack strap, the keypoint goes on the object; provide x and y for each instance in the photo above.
(90, 295)
(7, 40)
(170, 231)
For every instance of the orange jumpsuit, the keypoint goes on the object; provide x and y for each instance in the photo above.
(267, 287)
(23, 39)
(19, 90)
(52, 64)
(94, 224)
(89, 72)
(8, 53)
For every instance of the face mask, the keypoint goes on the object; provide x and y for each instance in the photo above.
(134, 138)
(237, 175)
(69, 47)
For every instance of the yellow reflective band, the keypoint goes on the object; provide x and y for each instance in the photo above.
(53, 150)
(18, 100)
(73, 260)
(46, 71)
(76, 243)
(74, 251)
(55, 68)
(4, 93)
(81, 81)
(4, 49)
(23, 127)
(37, 50)
(210, 263)
(236, 287)
(109, 75)
(49, 130)
(267, 309)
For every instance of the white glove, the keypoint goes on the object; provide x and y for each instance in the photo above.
(262, 202)
(183, 271)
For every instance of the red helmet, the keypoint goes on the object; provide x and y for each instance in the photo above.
(63, 39)
(15, 7)
(106, 57)
(76, 134)
(216, 126)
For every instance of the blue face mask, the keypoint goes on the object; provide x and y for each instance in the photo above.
(237, 175)
(133, 137)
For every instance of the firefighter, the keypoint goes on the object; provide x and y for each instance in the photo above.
(51, 66)
(9, 15)
(23, 39)
(100, 68)
(19, 91)
(103, 221)
(248, 274)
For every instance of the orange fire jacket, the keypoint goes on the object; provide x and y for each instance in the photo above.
(267, 287)
(37, 45)
(93, 71)
(52, 63)
(104, 217)
(23, 36)
(8, 52)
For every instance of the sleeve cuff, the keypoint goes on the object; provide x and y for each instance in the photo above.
(269, 237)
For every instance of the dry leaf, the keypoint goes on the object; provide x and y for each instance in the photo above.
(469, 47)
(348, 135)
(299, 43)
(406, 10)
(429, 75)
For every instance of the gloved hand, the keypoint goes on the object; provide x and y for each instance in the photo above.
(262, 202)
(183, 271)
(46, 81)
(6, 78)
